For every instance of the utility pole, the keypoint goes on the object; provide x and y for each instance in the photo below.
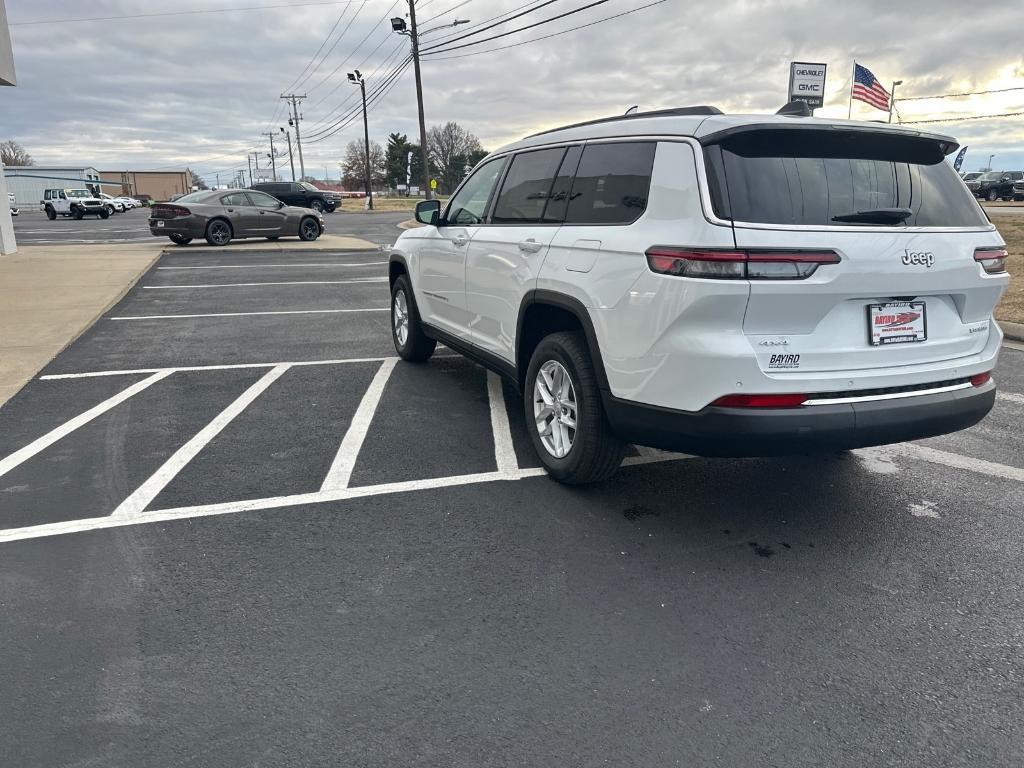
(892, 97)
(398, 25)
(294, 120)
(248, 159)
(357, 79)
(273, 157)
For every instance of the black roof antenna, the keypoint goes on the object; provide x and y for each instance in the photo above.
(632, 110)
(795, 109)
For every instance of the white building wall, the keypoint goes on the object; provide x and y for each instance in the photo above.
(29, 191)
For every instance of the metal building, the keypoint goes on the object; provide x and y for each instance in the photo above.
(29, 182)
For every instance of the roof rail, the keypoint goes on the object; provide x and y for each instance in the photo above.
(674, 112)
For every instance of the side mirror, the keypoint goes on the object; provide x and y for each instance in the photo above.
(280, 205)
(428, 212)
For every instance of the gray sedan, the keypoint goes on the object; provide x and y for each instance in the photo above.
(221, 216)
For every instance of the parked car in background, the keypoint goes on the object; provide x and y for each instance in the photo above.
(971, 176)
(73, 202)
(113, 204)
(221, 216)
(1018, 191)
(13, 203)
(302, 194)
(128, 202)
(995, 185)
(714, 284)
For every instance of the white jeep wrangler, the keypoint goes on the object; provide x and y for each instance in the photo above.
(73, 202)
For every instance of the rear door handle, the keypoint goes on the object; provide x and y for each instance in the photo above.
(530, 245)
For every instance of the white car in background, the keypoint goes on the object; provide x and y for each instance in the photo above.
(13, 203)
(723, 285)
(114, 204)
(129, 202)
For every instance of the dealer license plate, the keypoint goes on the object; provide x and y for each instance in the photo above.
(897, 322)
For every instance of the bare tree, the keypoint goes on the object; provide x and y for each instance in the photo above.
(12, 153)
(196, 179)
(353, 166)
(451, 148)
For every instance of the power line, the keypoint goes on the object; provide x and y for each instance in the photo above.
(360, 65)
(313, 58)
(496, 24)
(343, 121)
(545, 37)
(961, 119)
(439, 15)
(335, 45)
(177, 13)
(381, 91)
(955, 95)
(360, 45)
(450, 35)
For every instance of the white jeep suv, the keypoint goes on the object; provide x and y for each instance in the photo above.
(724, 285)
(73, 202)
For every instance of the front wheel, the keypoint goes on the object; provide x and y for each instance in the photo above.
(110, 209)
(566, 419)
(309, 229)
(992, 196)
(104, 214)
(180, 239)
(317, 206)
(77, 214)
(218, 232)
(411, 342)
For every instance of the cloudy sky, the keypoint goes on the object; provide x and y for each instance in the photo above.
(198, 89)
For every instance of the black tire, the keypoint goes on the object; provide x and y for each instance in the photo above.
(76, 212)
(317, 205)
(104, 214)
(50, 213)
(309, 229)
(595, 453)
(992, 196)
(417, 346)
(110, 210)
(180, 239)
(218, 232)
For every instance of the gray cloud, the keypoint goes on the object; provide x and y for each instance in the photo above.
(199, 89)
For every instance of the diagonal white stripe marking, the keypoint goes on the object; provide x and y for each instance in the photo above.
(357, 281)
(262, 266)
(504, 452)
(30, 450)
(134, 505)
(249, 314)
(1010, 397)
(340, 473)
(956, 461)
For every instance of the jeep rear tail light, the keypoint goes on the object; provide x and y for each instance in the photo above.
(992, 260)
(750, 264)
(980, 379)
(760, 401)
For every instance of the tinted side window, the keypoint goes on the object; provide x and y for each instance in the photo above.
(527, 184)
(261, 200)
(237, 198)
(612, 183)
(295, 187)
(558, 200)
(468, 205)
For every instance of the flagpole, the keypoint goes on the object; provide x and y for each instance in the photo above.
(853, 79)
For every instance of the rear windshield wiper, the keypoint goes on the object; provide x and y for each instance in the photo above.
(877, 216)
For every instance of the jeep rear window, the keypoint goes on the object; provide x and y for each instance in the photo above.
(807, 177)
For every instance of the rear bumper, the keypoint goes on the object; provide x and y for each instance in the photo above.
(183, 226)
(739, 432)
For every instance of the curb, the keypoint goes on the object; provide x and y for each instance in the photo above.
(1012, 331)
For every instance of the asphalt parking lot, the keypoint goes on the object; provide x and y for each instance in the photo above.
(33, 228)
(235, 530)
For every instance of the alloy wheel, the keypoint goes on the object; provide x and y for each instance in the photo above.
(400, 318)
(310, 230)
(554, 408)
(219, 232)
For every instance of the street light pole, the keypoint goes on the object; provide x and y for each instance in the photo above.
(892, 97)
(294, 121)
(291, 158)
(990, 161)
(357, 79)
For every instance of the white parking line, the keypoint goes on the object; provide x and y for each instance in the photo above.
(250, 314)
(956, 461)
(261, 266)
(149, 490)
(504, 452)
(286, 282)
(1010, 397)
(340, 473)
(30, 450)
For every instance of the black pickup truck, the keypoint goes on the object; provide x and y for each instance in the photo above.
(996, 185)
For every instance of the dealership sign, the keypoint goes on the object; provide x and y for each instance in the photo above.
(807, 83)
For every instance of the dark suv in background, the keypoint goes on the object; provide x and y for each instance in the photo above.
(995, 185)
(302, 194)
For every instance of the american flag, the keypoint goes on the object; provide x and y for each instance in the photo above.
(867, 88)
